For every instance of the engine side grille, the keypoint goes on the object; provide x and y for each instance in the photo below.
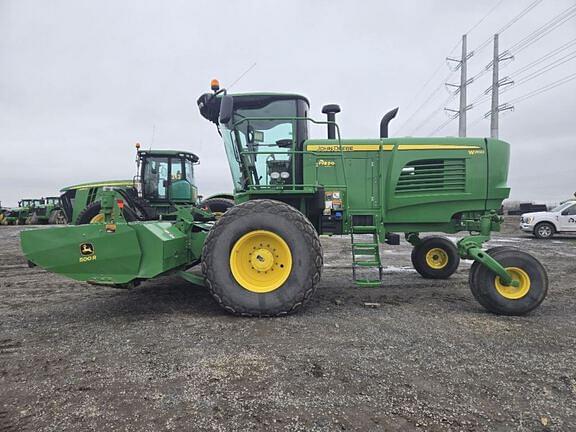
(437, 175)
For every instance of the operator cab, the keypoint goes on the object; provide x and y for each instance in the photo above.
(263, 134)
(167, 176)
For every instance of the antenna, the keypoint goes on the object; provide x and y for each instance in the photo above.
(153, 136)
(242, 76)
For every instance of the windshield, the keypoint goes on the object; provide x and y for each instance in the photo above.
(562, 207)
(260, 144)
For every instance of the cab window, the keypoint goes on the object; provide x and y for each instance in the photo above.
(156, 178)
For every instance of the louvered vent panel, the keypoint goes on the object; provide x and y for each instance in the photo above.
(440, 175)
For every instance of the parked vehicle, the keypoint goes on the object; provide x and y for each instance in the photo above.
(545, 224)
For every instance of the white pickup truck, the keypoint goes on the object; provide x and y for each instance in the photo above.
(544, 225)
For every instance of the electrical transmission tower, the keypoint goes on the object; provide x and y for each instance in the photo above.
(462, 87)
(495, 89)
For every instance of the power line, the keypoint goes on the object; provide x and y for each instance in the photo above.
(485, 16)
(444, 124)
(434, 112)
(543, 30)
(543, 89)
(545, 57)
(547, 68)
(428, 99)
(437, 70)
(509, 24)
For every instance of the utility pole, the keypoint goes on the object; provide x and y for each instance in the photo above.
(495, 92)
(462, 87)
(496, 84)
(463, 91)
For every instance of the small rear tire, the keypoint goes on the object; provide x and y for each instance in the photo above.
(435, 257)
(476, 265)
(262, 258)
(544, 230)
(509, 300)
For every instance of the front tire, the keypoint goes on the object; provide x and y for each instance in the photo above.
(508, 300)
(262, 258)
(544, 230)
(435, 258)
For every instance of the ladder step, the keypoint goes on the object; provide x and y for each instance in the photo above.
(368, 282)
(360, 229)
(364, 245)
(366, 263)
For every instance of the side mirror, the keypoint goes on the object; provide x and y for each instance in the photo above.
(284, 143)
(226, 109)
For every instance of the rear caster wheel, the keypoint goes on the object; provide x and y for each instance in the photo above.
(435, 258)
(262, 258)
(476, 265)
(506, 299)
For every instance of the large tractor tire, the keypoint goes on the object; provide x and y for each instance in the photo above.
(218, 206)
(32, 219)
(91, 214)
(506, 299)
(57, 217)
(262, 258)
(435, 258)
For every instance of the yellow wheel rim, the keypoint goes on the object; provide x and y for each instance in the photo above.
(99, 218)
(511, 292)
(437, 258)
(261, 261)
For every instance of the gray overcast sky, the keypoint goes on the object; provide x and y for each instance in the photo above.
(82, 81)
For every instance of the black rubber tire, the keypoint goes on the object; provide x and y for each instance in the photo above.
(476, 265)
(93, 210)
(419, 252)
(32, 219)
(297, 232)
(144, 209)
(544, 230)
(57, 217)
(217, 205)
(483, 287)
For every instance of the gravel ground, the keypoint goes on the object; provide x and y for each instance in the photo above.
(164, 357)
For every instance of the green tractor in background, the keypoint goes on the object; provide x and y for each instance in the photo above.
(48, 211)
(20, 215)
(3, 211)
(164, 181)
(263, 257)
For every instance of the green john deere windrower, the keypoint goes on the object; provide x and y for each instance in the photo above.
(264, 258)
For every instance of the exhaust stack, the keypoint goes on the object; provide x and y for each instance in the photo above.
(331, 111)
(385, 120)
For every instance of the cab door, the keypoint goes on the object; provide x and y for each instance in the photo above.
(567, 219)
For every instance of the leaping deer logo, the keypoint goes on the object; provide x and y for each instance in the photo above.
(86, 249)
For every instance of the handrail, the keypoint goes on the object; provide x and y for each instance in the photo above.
(337, 128)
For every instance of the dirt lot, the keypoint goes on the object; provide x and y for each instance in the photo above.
(165, 357)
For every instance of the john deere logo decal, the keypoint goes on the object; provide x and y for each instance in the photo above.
(87, 252)
(87, 249)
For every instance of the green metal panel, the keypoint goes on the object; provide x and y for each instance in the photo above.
(115, 257)
(411, 184)
(128, 253)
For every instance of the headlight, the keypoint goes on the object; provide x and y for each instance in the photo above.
(275, 175)
(284, 174)
(528, 219)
